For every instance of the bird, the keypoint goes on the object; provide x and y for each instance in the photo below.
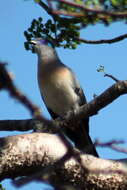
(61, 92)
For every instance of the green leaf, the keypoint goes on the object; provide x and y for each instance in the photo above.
(101, 69)
(40, 19)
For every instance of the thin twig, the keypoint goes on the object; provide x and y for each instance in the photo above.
(103, 41)
(88, 9)
(49, 10)
(112, 145)
(112, 77)
(45, 7)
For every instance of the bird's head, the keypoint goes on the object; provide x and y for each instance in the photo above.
(44, 48)
(39, 44)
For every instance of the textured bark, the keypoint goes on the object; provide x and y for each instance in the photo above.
(27, 154)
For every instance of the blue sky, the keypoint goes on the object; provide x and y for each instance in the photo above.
(110, 123)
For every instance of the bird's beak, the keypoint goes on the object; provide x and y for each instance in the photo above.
(32, 45)
(33, 42)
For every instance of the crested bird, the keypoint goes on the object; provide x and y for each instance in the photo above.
(61, 92)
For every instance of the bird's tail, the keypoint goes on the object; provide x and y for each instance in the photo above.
(81, 138)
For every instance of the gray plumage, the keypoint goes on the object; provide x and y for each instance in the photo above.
(61, 92)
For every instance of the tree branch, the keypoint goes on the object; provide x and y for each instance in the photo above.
(99, 102)
(90, 109)
(111, 76)
(103, 41)
(50, 12)
(27, 154)
(6, 83)
(87, 10)
(45, 7)
(55, 13)
(112, 145)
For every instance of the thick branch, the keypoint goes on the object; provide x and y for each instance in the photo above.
(98, 103)
(27, 154)
(90, 109)
(18, 125)
(101, 101)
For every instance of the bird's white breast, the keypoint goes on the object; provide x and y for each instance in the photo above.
(57, 90)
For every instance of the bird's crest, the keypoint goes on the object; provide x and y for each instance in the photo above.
(45, 41)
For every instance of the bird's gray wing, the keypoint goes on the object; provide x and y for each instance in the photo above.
(81, 135)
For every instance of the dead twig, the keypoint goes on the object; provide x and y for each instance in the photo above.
(112, 145)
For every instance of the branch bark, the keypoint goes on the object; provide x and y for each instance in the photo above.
(103, 41)
(27, 154)
(117, 14)
(90, 109)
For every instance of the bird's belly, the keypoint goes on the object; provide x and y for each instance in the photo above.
(59, 97)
